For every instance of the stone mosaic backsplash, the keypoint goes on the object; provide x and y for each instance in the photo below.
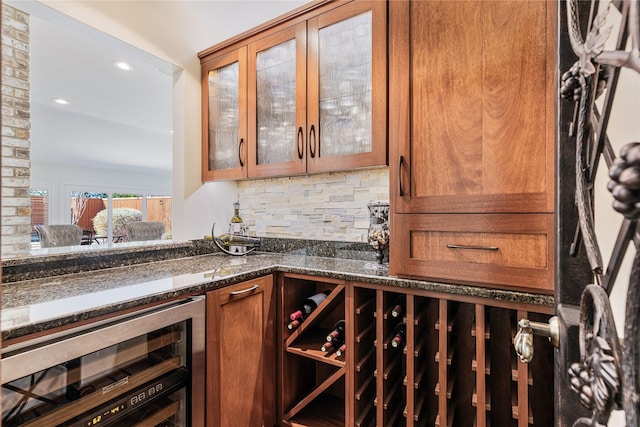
(330, 206)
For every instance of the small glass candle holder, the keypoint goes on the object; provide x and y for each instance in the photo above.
(378, 234)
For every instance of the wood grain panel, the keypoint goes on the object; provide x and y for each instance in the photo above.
(446, 109)
(515, 250)
(471, 106)
(515, 60)
(527, 264)
(240, 354)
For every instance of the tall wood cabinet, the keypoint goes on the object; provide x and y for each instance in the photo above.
(303, 95)
(241, 354)
(471, 141)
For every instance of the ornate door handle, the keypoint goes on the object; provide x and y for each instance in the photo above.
(523, 342)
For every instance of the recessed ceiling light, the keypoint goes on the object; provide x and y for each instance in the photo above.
(123, 65)
(61, 101)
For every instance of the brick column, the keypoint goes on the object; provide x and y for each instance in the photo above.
(16, 125)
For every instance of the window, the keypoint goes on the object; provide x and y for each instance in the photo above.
(39, 210)
(103, 215)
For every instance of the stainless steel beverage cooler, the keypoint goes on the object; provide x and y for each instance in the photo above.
(140, 369)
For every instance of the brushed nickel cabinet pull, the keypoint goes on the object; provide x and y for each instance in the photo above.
(477, 248)
(244, 291)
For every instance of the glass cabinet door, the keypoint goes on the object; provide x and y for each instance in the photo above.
(277, 118)
(346, 97)
(224, 148)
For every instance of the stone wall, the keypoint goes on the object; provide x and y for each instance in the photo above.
(331, 206)
(16, 124)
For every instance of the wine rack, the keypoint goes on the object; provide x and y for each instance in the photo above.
(456, 367)
(312, 381)
(364, 356)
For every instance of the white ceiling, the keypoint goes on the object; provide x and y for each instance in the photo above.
(116, 119)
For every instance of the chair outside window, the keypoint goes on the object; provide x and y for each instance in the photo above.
(59, 235)
(140, 230)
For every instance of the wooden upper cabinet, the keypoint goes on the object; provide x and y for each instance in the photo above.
(310, 91)
(347, 87)
(224, 116)
(471, 96)
(277, 103)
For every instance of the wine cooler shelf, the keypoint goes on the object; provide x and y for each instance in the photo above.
(408, 358)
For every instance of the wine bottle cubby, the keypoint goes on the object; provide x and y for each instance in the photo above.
(412, 358)
(457, 366)
(312, 380)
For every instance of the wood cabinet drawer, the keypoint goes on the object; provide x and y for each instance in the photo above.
(505, 250)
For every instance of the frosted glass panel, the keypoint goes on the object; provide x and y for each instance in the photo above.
(276, 103)
(345, 87)
(223, 117)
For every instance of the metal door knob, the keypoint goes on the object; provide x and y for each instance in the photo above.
(523, 342)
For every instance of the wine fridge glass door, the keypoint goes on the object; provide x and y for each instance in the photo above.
(140, 368)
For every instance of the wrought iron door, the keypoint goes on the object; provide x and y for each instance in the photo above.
(596, 372)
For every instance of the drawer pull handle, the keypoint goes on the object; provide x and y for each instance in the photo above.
(244, 291)
(478, 248)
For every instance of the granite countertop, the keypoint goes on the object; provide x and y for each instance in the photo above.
(36, 305)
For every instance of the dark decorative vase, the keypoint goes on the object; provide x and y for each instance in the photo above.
(378, 235)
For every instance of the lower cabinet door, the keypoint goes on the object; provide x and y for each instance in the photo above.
(241, 355)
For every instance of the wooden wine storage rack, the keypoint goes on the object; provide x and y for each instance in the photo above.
(312, 381)
(457, 366)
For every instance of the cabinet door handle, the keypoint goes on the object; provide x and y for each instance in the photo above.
(312, 147)
(240, 152)
(244, 291)
(300, 142)
(477, 248)
(401, 191)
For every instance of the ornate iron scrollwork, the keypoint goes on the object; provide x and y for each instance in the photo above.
(605, 378)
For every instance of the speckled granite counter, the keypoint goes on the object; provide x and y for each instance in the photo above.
(36, 305)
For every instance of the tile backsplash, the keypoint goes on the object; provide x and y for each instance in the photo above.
(330, 206)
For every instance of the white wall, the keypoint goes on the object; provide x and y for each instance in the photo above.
(624, 127)
(175, 31)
